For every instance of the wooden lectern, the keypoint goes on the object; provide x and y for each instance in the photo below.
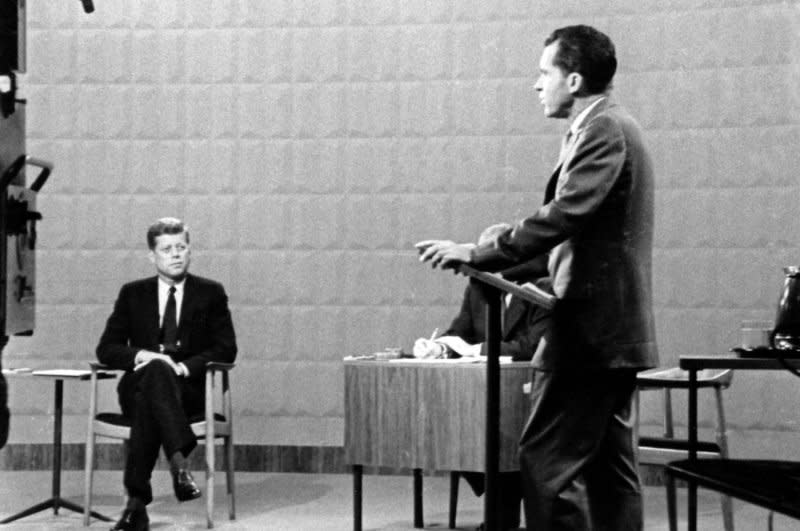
(493, 287)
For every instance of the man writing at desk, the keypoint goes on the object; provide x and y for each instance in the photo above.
(523, 322)
(523, 326)
(577, 453)
(162, 332)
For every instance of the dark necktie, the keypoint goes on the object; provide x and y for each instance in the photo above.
(169, 326)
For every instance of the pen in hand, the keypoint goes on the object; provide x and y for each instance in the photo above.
(434, 334)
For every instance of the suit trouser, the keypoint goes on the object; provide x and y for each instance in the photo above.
(159, 404)
(5, 414)
(509, 488)
(577, 454)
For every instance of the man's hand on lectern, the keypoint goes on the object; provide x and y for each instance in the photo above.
(444, 253)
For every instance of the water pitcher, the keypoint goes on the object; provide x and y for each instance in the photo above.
(786, 335)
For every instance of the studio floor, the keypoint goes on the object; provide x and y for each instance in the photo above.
(305, 502)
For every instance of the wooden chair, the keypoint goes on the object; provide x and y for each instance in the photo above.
(211, 425)
(661, 450)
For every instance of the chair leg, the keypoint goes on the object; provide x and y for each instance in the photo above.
(722, 441)
(417, 482)
(454, 476)
(88, 468)
(209, 444)
(209, 482)
(669, 432)
(672, 506)
(727, 512)
(230, 468)
(669, 429)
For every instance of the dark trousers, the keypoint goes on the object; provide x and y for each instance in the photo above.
(509, 495)
(160, 405)
(5, 414)
(577, 454)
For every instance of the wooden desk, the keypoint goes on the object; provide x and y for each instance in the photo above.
(56, 501)
(427, 415)
(694, 470)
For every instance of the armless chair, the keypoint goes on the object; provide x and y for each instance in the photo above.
(212, 424)
(661, 450)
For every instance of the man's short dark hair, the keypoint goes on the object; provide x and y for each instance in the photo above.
(587, 51)
(165, 226)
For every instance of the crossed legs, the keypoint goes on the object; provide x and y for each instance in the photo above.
(162, 404)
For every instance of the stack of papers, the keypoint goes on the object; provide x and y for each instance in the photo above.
(462, 361)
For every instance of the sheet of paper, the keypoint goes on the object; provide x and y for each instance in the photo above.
(457, 344)
(65, 373)
(450, 361)
(440, 361)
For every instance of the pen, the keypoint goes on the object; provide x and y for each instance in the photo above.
(433, 335)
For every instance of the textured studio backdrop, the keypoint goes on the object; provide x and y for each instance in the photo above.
(309, 144)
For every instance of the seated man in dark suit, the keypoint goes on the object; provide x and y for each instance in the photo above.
(523, 326)
(162, 332)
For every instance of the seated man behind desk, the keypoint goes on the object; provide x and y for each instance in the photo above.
(524, 324)
(162, 331)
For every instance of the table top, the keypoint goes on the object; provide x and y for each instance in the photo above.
(471, 363)
(733, 361)
(59, 374)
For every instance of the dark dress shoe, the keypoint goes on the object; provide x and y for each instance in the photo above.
(185, 487)
(132, 520)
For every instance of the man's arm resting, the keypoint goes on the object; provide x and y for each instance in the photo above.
(222, 344)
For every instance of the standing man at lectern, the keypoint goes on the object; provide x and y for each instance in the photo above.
(577, 453)
(162, 332)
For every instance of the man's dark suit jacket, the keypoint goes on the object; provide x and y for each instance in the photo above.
(597, 226)
(205, 329)
(523, 325)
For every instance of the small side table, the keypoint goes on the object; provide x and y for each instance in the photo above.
(694, 470)
(56, 501)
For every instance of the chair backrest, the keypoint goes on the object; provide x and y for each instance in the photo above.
(111, 425)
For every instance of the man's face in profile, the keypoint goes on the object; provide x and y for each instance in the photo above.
(171, 256)
(553, 85)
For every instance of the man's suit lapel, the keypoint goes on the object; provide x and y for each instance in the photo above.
(566, 154)
(188, 304)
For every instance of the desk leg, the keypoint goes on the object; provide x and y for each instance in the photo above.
(358, 473)
(56, 501)
(692, 486)
(418, 523)
(58, 407)
(454, 480)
